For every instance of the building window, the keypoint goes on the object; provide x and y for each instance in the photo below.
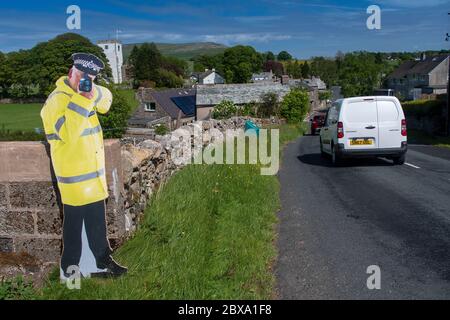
(150, 106)
(106, 47)
(118, 48)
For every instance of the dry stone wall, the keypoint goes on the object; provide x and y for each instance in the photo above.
(30, 208)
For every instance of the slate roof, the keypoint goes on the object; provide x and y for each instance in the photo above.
(422, 67)
(165, 98)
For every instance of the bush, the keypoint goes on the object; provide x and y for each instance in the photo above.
(224, 110)
(324, 95)
(168, 79)
(422, 108)
(295, 105)
(248, 109)
(114, 123)
(269, 105)
(161, 129)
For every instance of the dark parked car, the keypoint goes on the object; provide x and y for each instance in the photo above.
(317, 122)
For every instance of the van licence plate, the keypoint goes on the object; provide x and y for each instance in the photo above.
(361, 142)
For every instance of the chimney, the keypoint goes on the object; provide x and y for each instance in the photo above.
(423, 56)
(213, 70)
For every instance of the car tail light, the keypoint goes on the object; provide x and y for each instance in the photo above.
(340, 130)
(404, 131)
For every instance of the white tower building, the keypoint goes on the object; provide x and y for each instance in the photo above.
(113, 51)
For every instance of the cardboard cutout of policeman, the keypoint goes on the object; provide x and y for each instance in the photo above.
(75, 136)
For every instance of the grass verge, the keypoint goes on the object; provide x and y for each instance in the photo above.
(208, 234)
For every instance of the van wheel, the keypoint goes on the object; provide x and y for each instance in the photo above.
(335, 159)
(400, 160)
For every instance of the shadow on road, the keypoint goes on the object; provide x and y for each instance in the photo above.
(315, 159)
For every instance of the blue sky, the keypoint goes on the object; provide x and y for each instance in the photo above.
(304, 28)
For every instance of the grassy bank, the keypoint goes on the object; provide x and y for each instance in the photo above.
(208, 234)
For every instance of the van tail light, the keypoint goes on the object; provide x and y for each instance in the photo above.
(404, 131)
(340, 130)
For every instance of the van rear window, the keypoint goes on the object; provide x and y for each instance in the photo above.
(357, 112)
(387, 111)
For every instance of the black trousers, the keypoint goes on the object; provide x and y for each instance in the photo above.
(93, 216)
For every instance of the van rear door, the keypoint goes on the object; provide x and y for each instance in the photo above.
(360, 118)
(390, 117)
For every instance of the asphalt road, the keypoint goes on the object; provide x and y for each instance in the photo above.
(337, 221)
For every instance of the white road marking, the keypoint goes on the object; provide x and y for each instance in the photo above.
(412, 166)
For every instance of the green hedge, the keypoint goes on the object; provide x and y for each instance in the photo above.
(422, 108)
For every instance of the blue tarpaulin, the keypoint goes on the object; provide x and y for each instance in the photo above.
(250, 125)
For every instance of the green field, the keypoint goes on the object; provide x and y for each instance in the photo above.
(23, 117)
(184, 51)
(26, 117)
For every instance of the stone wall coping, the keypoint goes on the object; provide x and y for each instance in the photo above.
(24, 161)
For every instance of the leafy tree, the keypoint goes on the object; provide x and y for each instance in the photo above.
(146, 60)
(175, 65)
(284, 56)
(295, 105)
(168, 79)
(242, 61)
(269, 105)
(294, 69)
(270, 56)
(203, 62)
(276, 67)
(114, 123)
(224, 110)
(305, 70)
(33, 72)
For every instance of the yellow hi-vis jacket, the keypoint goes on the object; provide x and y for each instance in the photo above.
(76, 142)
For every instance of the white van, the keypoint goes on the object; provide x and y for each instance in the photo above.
(365, 126)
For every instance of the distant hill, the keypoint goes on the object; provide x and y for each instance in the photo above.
(184, 51)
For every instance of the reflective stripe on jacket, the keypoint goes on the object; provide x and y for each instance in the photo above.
(76, 142)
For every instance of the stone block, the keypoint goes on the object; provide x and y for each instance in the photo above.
(46, 250)
(33, 194)
(20, 222)
(49, 222)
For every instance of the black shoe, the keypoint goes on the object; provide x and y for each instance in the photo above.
(111, 269)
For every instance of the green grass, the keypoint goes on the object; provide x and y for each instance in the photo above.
(130, 97)
(419, 137)
(24, 117)
(185, 51)
(18, 121)
(208, 234)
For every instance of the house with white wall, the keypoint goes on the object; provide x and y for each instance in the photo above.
(207, 77)
(113, 51)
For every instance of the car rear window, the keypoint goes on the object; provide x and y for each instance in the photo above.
(357, 112)
(387, 111)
